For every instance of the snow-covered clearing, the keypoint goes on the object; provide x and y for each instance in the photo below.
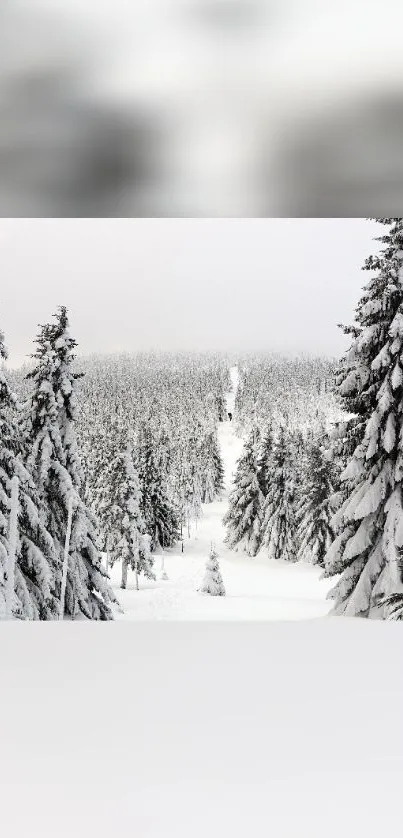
(257, 589)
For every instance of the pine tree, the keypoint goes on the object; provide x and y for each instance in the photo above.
(212, 583)
(122, 519)
(218, 467)
(369, 524)
(55, 464)
(298, 445)
(35, 551)
(212, 479)
(264, 461)
(244, 516)
(278, 530)
(220, 405)
(160, 515)
(193, 482)
(314, 510)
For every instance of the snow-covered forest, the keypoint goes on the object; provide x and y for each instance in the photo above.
(207, 485)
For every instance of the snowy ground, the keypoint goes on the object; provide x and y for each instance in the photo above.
(257, 589)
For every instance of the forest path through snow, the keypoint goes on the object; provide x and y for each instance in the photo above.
(256, 588)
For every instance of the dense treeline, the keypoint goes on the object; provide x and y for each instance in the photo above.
(284, 494)
(166, 407)
(275, 390)
(281, 502)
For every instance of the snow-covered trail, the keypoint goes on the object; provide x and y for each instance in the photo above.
(257, 589)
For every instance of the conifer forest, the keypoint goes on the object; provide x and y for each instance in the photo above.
(207, 485)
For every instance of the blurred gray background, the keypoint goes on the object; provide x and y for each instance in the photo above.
(201, 108)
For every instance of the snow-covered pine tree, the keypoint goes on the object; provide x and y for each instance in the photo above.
(123, 520)
(106, 448)
(180, 484)
(187, 497)
(212, 478)
(340, 445)
(298, 446)
(220, 404)
(12, 547)
(369, 524)
(213, 582)
(55, 463)
(193, 485)
(35, 551)
(218, 467)
(314, 509)
(264, 460)
(243, 518)
(278, 531)
(160, 515)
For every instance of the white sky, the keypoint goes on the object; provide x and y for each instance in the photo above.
(277, 284)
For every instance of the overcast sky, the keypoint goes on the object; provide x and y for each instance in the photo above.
(133, 284)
